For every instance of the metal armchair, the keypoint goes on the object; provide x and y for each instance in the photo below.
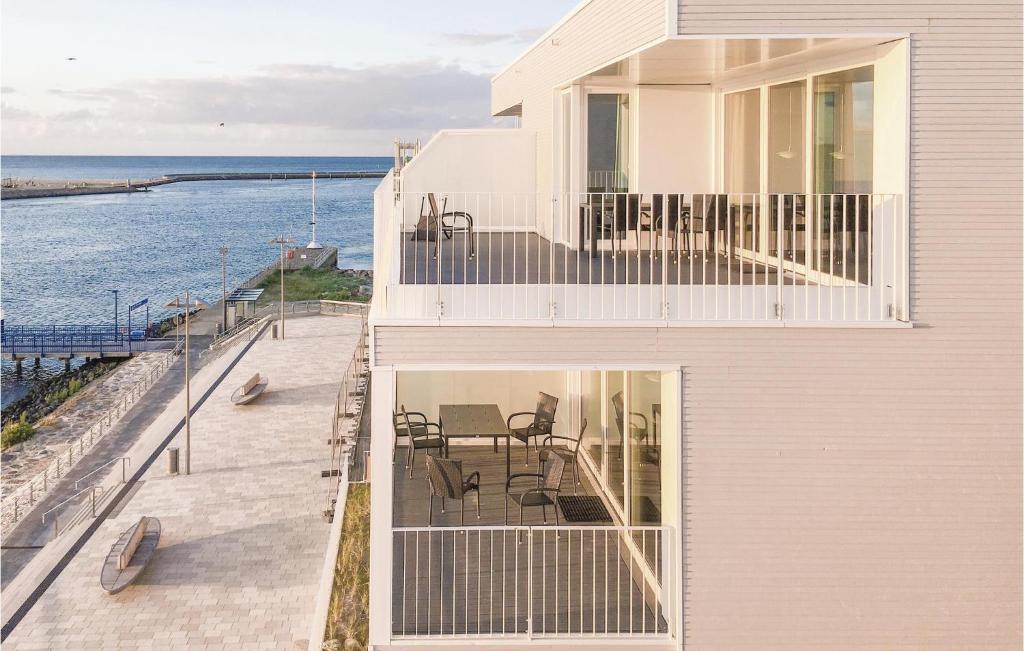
(543, 417)
(417, 420)
(422, 436)
(548, 483)
(446, 481)
(570, 453)
(639, 427)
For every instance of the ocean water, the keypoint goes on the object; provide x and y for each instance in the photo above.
(60, 257)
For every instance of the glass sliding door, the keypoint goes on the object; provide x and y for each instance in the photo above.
(843, 171)
(787, 123)
(741, 154)
(608, 142)
(644, 447)
(844, 131)
(741, 159)
(590, 408)
(615, 389)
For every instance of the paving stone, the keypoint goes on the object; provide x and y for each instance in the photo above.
(243, 540)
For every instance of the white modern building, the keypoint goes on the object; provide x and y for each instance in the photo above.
(770, 255)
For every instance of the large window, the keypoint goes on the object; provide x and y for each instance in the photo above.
(844, 131)
(742, 142)
(607, 142)
(786, 122)
(645, 447)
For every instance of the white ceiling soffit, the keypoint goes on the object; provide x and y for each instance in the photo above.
(704, 61)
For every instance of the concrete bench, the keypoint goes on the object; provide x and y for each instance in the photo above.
(130, 555)
(249, 391)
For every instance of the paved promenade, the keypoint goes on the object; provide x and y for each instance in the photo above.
(243, 540)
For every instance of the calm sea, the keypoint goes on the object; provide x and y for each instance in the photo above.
(62, 256)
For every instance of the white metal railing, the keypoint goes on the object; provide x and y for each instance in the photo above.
(666, 258)
(531, 582)
(20, 500)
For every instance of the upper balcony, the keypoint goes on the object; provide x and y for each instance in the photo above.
(644, 258)
(684, 185)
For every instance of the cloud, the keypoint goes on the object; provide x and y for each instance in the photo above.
(477, 39)
(277, 107)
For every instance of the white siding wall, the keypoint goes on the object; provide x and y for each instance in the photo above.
(843, 488)
(601, 31)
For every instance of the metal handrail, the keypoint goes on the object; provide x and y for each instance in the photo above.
(92, 489)
(41, 483)
(125, 461)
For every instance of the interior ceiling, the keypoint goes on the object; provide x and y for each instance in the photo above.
(704, 61)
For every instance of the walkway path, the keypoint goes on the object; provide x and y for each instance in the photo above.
(243, 539)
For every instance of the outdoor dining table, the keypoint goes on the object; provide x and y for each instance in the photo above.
(478, 421)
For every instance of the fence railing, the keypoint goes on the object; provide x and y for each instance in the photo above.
(531, 582)
(95, 495)
(348, 448)
(669, 258)
(19, 501)
(65, 339)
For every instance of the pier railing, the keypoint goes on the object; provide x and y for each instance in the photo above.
(65, 339)
(16, 503)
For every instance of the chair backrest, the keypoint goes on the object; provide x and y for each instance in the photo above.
(444, 477)
(551, 468)
(546, 406)
(405, 419)
(627, 211)
(436, 212)
(579, 437)
(619, 404)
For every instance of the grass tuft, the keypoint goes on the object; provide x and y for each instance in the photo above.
(310, 284)
(348, 617)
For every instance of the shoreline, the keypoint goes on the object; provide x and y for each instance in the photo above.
(43, 189)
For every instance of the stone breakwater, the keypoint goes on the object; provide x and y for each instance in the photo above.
(36, 189)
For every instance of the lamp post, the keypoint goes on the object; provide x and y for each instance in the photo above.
(224, 287)
(282, 241)
(189, 304)
(115, 310)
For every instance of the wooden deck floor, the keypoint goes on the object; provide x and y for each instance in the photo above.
(488, 580)
(528, 258)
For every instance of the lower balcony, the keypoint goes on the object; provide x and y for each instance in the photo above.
(596, 561)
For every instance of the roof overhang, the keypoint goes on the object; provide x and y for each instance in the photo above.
(716, 60)
(515, 111)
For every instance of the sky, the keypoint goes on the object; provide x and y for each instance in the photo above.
(288, 77)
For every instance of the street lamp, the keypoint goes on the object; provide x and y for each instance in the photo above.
(115, 310)
(224, 286)
(282, 241)
(188, 305)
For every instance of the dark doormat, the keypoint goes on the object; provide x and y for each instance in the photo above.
(583, 508)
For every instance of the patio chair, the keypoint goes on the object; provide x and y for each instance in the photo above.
(638, 428)
(425, 436)
(570, 453)
(433, 219)
(543, 418)
(667, 221)
(626, 218)
(418, 421)
(446, 481)
(543, 494)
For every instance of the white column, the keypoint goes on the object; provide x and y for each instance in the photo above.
(672, 499)
(381, 469)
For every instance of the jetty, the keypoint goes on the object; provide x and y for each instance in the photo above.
(14, 189)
